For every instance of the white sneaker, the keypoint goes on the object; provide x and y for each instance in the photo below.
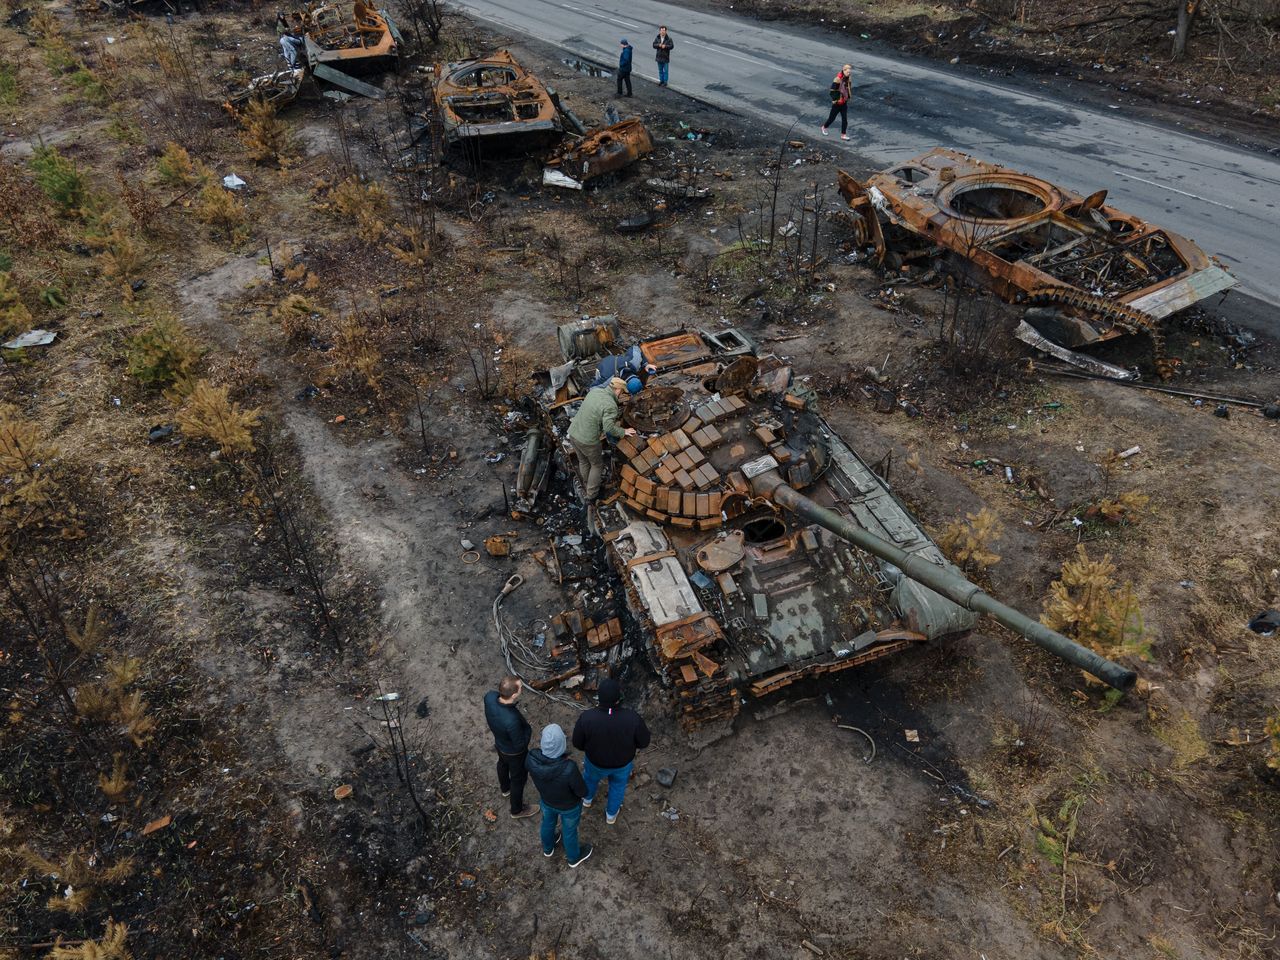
(824, 131)
(611, 819)
(559, 834)
(587, 803)
(844, 136)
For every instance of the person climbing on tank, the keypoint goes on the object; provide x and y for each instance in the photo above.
(293, 47)
(597, 418)
(624, 366)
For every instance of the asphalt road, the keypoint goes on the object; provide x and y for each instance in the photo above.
(1227, 200)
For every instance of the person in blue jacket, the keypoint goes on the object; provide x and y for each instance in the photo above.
(624, 67)
(624, 366)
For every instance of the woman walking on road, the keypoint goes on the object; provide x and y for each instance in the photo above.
(841, 91)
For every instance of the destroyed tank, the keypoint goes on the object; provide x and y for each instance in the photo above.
(1088, 271)
(754, 546)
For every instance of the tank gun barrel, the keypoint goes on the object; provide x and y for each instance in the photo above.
(950, 585)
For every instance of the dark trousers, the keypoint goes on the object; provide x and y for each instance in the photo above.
(624, 78)
(512, 776)
(843, 110)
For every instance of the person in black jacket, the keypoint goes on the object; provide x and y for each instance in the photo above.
(511, 733)
(663, 44)
(560, 784)
(609, 736)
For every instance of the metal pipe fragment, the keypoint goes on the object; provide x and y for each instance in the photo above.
(950, 585)
(528, 461)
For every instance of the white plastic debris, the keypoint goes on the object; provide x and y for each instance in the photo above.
(32, 338)
(1132, 451)
(232, 182)
(554, 178)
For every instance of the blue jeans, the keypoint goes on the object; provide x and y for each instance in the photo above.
(568, 820)
(617, 778)
(662, 71)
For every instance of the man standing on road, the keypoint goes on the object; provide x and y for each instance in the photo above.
(560, 785)
(663, 44)
(609, 736)
(511, 733)
(841, 92)
(596, 419)
(624, 66)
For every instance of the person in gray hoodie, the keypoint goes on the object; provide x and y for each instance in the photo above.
(560, 789)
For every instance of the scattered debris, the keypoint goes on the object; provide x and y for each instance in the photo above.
(912, 736)
(637, 223)
(343, 791)
(871, 743)
(1265, 623)
(498, 545)
(674, 188)
(666, 776)
(160, 432)
(32, 338)
(551, 177)
(158, 824)
(1034, 338)
(232, 182)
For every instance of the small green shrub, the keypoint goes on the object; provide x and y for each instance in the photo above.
(90, 87)
(59, 178)
(164, 354)
(15, 318)
(10, 88)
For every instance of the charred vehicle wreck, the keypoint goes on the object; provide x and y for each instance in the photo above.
(753, 545)
(494, 105)
(1091, 271)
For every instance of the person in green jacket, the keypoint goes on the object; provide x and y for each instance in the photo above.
(596, 419)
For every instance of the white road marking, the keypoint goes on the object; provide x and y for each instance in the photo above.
(600, 16)
(1183, 193)
(737, 56)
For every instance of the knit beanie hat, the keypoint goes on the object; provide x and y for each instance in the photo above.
(610, 692)
(553, 744)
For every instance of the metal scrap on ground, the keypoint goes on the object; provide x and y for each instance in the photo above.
(1089, 271)
(341, 42)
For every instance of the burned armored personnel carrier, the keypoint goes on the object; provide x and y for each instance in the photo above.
(1093, 271)
(496, 101)
(753, 544)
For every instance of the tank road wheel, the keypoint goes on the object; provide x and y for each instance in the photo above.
(1108, 314)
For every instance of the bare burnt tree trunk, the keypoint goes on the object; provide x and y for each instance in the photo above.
(1187, 10)
(299, 537)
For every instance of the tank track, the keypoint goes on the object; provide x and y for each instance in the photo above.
(1111, 312)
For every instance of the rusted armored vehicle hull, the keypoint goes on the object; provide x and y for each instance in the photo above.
(496, 103)
(340, 40)
(605, 151)
(754, 546)
(1099, 271)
